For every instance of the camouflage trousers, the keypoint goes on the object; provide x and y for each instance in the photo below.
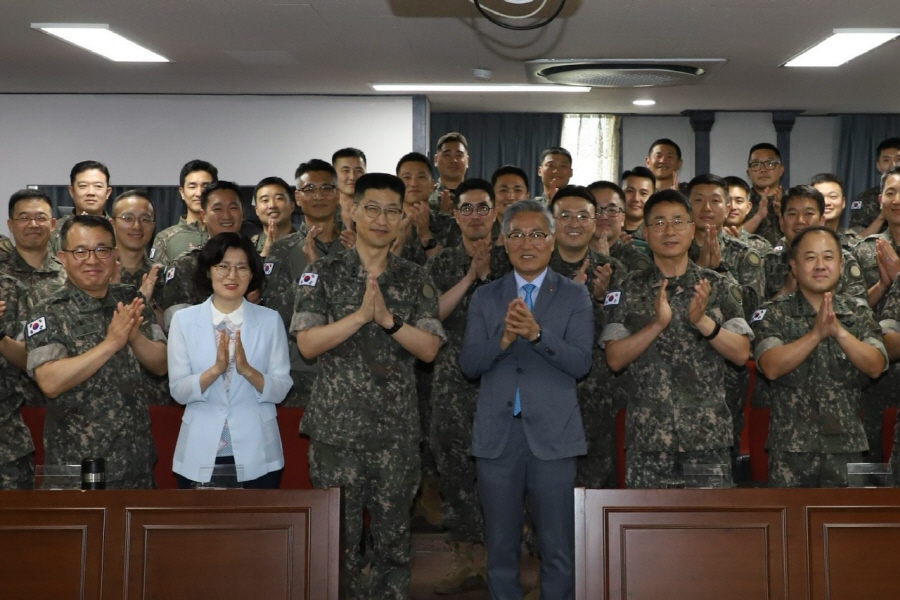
(424, 380)
(875, 398)
(737, 380)
(384, 482)
(810, 469)
(18, 474)
(597, 469)
(451, 439)
(667, 469)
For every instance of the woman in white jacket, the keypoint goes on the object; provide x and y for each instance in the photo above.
(229, 366)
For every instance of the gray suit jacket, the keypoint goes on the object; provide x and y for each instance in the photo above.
(545, 373)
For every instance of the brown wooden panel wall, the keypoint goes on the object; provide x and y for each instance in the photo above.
(112, 545)
(737, 544)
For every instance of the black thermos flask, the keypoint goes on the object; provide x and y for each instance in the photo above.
(93, 474)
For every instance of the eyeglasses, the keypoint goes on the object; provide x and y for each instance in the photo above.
(659, 225)
(391, 213)
(225, 270)
(579, 218)
(81, 254)
(610, 211)
(757, 165)
(312, 190)
(482, 210)
(518, 237)
(129, 219)
(41, 218)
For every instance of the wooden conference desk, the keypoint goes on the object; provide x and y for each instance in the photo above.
(168, 544)
(837, 544)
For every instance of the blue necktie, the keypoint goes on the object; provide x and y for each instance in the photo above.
(529, 302)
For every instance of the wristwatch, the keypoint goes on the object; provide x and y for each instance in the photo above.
(398, 323)
(430, 245)
(536, 340)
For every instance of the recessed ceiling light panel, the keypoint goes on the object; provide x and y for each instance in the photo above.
(842, 46)
(97, 38)
(644, 102)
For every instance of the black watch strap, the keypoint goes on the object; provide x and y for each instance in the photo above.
(398, 323)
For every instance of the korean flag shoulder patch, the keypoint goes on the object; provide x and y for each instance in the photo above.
(309, 279)
(856, 205)
(612, 298)
(267, 268)
(36, 326)
(170, 274)
(758, 315)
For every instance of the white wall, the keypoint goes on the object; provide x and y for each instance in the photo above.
(732, 136)
(144, 140)
(814, 147)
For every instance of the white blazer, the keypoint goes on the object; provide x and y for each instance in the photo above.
(251, 415)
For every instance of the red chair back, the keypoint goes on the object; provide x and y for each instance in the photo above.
(34, 420)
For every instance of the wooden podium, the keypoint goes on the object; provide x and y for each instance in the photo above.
(167, 544)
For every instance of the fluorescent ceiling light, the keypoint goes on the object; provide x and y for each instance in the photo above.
(644, 102)
(476, 87)
(100, 40)
(842, 46)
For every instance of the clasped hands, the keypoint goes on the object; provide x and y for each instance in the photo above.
(222, 358)
(125, 326)
(519, 322)
(696, 310)
(373, 307)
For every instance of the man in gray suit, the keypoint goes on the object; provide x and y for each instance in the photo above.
(528, 337)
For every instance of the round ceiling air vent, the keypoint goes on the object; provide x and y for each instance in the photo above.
(621, 75)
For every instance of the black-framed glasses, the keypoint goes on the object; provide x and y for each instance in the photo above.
(40, 218)
(579, 218)
(129, 219)
(481, 210)
(391, 213)
(82, 254)
(518, 237)
(757, 165)
(659, 225)
(610, 211)
(324, 190)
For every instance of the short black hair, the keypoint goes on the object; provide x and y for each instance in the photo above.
(88, 221)
(642, 173)
(892, 143)
(509, 170)
(88, 165)
(453, 136)
(315, 164)
(378, 181)
(217, 186)
(667, 197)
(474, 184)
(273, 181)
(734, 181)
(573, 191)
(827, 178)
(889, 173)
(27, 194)
(414, 157)
(817, 228)
(804, 191)
(665, 142)
(707, 179)
(130, 194)
(192, 166)
(213, 252)
(764, 146)
(608, 185)
(348, 153)
(555, 150)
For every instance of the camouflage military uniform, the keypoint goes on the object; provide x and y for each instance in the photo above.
(106, 415)
(758, 243)
(39, 284)
(434, 198)
(778, 268)
(631, 256)
(680, 403)
(283, 267)
(849, 238)
(814, 408)
(889, 319)
(596, 469)
(453, 406)
(865, 208)
(16, 447)
(178, 287)
(6, 248)
(769, 228)
(362, 418)
(259, 240)
(172, 242)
